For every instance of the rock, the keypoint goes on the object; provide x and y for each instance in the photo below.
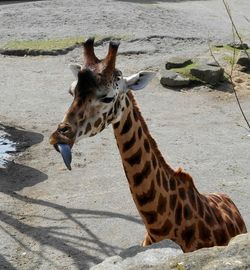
(235, 256)
(212, 63)
(177, 62)
(139, 257)
(244, 60)
(159, 256)
(239, 46)
(173, 79)
(207, 73)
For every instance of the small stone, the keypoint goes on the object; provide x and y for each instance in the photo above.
(212, 63)
(244, 60)
(177, 62)
(208, 74)
(239, 46)
(173, 79)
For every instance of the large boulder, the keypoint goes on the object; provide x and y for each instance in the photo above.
(173, 79)
(139, 257)
(177, 62)
(208, 74)
(244, 60)
(168, 256)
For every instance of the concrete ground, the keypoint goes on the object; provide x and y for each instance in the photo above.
(51, 218)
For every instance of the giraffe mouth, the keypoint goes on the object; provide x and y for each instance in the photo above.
(65, 151)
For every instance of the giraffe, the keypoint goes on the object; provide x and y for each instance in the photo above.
(167, 200)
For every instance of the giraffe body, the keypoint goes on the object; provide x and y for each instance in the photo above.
(167, 200)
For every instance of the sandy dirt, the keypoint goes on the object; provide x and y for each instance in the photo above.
(51, 218)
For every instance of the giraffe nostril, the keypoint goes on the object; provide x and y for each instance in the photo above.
(64, 129)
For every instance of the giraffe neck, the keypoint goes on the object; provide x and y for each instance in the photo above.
(167, 200)
(146, 170)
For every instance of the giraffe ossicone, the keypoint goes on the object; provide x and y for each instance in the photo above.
(167, 200)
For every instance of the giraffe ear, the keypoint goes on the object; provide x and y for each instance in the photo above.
(75, 68)
(139, 80)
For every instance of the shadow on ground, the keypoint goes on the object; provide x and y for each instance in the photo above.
(19, 1)
(76, 247)
(16, 177)
(156, 1)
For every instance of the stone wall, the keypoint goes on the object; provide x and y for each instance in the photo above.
(167, 255)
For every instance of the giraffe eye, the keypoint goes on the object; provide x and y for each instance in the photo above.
(107, 99)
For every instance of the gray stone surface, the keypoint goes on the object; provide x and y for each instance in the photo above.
(139, 257)
(177, 62)
(207, 73)
(244, 60)
(235, 256)
(173, 79)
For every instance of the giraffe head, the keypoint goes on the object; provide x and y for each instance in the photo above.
(98, 97)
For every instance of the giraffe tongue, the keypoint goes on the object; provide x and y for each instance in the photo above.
(66, 154)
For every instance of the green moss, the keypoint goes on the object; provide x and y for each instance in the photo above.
(43, 44)
(180, 266)
(185, 71)
(54, 44)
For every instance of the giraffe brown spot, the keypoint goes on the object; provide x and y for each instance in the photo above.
(97, 122)
(146, 145)
(182, 193)
(204, 232)
(139, 132)
(116, 125)
(139, 177)
(146, 197)
(79, 103)
(230, 227)
(82, 122)
(172, 184)
(154, 160)
(71, 115)
(178, 214)
(127, 125)
(165, 184)
(200, 206)
(80, 115)
(220, 237)
(164, 230)
(162, 203)
(158, 178)
(129, 144)
(172, 201)
(88, 128)
(104, 115)
(187, 212)
(191, 198)
(135, 115)
(151, 216)
(188, 235)
(135, 158)
(209, 218)
(80, 133)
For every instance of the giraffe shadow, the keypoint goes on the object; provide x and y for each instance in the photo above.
(82, 249)
(85, 249)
